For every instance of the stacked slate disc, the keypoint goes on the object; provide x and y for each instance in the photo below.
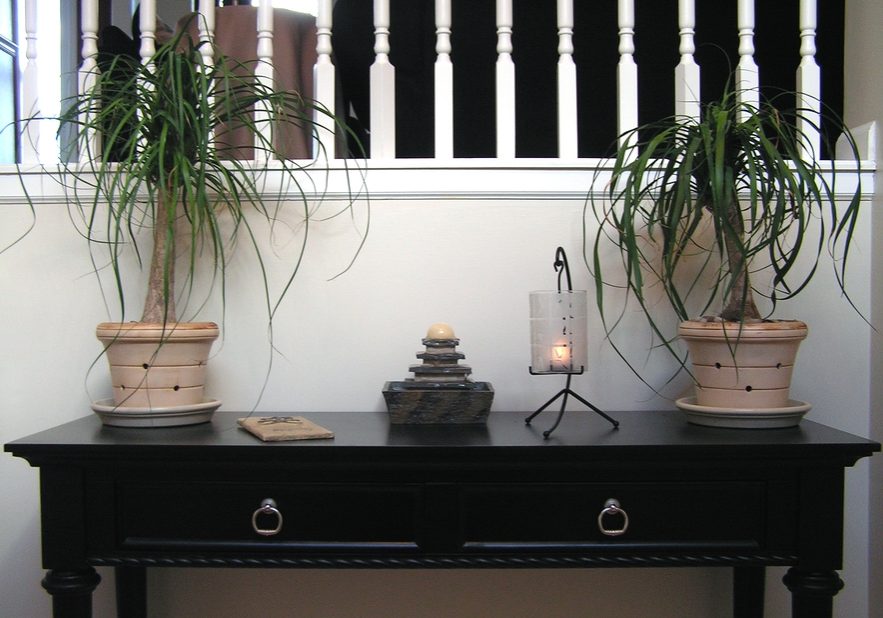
(441, 361)
(441, 390)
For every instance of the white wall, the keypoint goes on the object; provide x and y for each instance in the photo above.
(470, 262)
(863, 42)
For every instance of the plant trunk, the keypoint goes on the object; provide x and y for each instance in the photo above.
(159, 306)
(740, 304)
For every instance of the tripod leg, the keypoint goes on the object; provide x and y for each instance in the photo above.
(566, 392)
(544, 406)
(596, 410)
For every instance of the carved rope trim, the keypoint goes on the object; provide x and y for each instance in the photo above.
(456, 562)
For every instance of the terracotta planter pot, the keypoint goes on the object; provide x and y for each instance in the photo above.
(154, 367)
(747, 367)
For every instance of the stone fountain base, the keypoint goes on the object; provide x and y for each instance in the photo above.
(438, 403)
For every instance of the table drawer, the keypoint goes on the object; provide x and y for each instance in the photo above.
(215, 514)
(730, 514)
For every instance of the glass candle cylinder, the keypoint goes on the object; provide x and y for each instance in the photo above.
(558, 331)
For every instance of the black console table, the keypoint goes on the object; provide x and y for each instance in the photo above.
(655, 492)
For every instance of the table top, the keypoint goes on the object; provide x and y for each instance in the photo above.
(642, 434)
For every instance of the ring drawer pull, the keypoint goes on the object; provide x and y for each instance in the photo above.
(612, 508)
(268, 507)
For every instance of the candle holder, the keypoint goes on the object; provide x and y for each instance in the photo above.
(558, 336)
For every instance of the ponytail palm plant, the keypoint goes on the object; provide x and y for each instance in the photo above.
(165, 161)
(156, 171)
(716, 212)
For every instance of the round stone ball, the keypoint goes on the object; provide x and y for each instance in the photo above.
(440, 330)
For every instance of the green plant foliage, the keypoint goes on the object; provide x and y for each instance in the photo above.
(152, 151)
(701, 207)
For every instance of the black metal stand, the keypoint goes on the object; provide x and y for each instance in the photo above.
(565, 392)
(562, 267)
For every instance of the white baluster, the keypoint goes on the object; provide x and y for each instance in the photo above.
(382, 74)
(148, 29)
(567, 96)
(809, 81)
(505, 82)
(687, 83)
(444, 82)
(30, 100)
(324, 75)
(89, 71)
(264, 67)
(206, 29)
(627, 71)
(264, 73)
(747, 77)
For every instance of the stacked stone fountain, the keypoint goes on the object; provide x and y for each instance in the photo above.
(441, 391)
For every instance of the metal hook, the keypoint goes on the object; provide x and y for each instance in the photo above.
(561, 266)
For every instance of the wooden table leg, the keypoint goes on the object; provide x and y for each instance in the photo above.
(812, 593)
(748, 591)
(71, 591)
(131, 589)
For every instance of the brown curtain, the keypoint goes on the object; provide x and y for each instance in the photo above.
(294, 54)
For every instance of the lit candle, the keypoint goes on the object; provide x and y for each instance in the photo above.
(560, 360)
